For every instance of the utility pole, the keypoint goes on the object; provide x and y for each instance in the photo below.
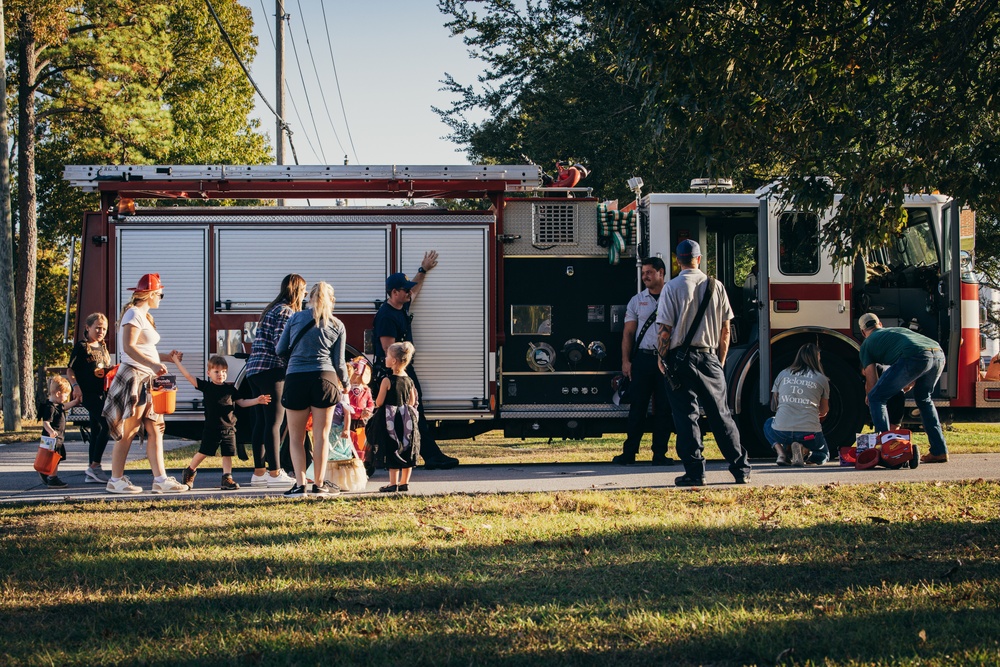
(9, 364)
(279, 62)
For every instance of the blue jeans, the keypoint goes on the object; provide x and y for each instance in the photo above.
(815, 444)
(923, 370)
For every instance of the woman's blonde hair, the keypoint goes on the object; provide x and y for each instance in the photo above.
(321, 301)
(138, 298)
(401, 352)
(807, 358)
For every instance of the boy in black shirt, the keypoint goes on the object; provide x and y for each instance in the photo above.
(53, 414)
(220, 418)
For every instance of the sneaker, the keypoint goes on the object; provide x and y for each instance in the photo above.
(282, 480)
(123, 485)
(441, 463)
(782, 458)
(187, 477)
(169, 485)
(741, 478)
(663, 461)
(326, 490)
(623, 459)
(53, 482)
(296, 490)
(95, 475)
(228, 483)
(258, 481)
(798, 457)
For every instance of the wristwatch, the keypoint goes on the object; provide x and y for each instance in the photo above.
(421, 270)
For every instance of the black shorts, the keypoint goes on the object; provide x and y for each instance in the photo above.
(214, 441)
(314, 389)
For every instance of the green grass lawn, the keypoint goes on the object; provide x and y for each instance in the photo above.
(893, 574)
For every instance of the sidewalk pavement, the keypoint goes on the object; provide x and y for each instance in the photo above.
(20, 483)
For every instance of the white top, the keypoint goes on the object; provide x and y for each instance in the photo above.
(638, 310)
(679, 303)
(145, 343)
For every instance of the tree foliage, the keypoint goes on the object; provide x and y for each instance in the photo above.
(127, 81)
(883, 98)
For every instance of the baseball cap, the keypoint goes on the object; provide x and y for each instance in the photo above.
(148, 283)
(868, 321)
(688, 249)
(398, 281)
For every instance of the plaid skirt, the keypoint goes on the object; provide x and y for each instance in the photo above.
(130, 394)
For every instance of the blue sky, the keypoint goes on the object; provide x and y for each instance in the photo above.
(390, 58)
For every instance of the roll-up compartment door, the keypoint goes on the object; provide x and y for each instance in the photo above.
(252, 261)
(450, 315)
(180, 256)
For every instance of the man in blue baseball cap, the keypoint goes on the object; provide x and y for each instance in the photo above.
(692, 347)
(392, 325)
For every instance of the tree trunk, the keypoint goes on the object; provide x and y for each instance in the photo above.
(27, 244)
(8, 341)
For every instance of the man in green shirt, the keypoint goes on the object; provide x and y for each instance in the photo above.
(914, 361)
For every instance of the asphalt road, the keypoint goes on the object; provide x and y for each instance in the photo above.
(20, 483)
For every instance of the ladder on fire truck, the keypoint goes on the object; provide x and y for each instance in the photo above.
(303, 181)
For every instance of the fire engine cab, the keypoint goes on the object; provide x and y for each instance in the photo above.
(519, 327)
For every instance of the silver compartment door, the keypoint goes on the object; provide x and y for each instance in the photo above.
(451, 316)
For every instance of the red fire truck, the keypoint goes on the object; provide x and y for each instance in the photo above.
(519, 327)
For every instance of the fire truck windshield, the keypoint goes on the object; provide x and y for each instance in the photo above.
(915, 245)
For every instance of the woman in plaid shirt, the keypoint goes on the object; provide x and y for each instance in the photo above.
(265, 371)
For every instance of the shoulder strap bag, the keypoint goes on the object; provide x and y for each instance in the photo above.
(302, 332)
(642, 333)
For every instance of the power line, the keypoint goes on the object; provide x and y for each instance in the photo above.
(336, 79)
(305, 90)
(225, 37)
(312, 58)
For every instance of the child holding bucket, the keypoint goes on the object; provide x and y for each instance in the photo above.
(220, 419)
(53, 414)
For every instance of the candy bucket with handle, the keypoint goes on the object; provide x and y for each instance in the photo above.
(164, 401)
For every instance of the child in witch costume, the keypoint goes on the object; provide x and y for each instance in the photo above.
(220, 419)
